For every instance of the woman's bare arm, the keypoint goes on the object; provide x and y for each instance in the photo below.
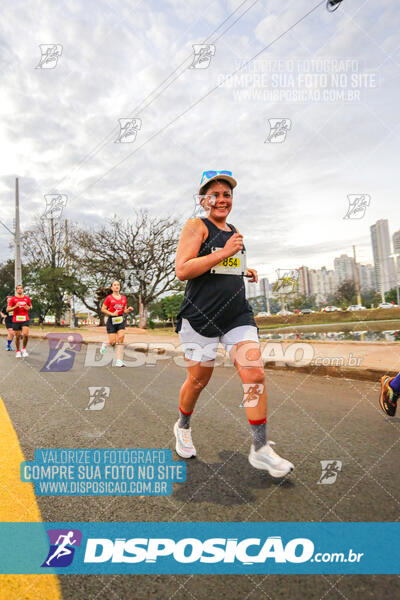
(187, 264)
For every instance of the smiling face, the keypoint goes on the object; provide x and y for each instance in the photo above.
(222, 205)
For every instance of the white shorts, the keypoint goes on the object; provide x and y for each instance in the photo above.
(200, 348)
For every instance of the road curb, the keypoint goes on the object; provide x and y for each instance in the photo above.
(360, 374)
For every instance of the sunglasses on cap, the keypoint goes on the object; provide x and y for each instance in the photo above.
(209, 174)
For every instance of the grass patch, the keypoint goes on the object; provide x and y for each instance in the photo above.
(320, 318)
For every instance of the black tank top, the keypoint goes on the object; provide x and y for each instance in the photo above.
(215, 303)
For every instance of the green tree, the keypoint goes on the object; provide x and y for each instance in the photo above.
(156, 310)
(301, 301)
(346, 293)
(52, 277)
(370, 298)
(144, 248)
(171, 306)
(6, 280)
(391, 296)
(49, 289)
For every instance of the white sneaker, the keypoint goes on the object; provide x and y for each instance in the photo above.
(24, 353)
(18, 354)
(266, 458)
(184, 445)
(119, 363)
(103, 348)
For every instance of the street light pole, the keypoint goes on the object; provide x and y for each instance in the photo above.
(17, 238)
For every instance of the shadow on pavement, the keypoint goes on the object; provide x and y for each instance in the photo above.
(228, 482)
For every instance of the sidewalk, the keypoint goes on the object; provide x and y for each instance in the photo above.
(358, 360)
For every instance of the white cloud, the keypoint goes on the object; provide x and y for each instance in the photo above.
(291, 197)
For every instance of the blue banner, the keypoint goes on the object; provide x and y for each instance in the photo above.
(200, 548)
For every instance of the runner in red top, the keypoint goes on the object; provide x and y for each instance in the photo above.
(20, 306)
(115, 306)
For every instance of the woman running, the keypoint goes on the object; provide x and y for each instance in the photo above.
(211, 258)
(7, 316)
(115, 306)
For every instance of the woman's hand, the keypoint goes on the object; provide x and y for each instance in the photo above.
(233, 245)
(252, 273)
(129, 309)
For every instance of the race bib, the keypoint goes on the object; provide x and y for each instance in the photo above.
(117, 320)
(20, 318)
(234, 265)
(10, 313)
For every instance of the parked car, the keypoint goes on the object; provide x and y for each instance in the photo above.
(354, 307)
(284, 313)
(387, 305)
(306, 311)
(263, 314)
(330, 309)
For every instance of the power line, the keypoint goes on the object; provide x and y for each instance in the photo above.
(140, 108)
(205, 95)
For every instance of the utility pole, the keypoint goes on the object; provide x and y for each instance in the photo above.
(53, 248)
(70, 298)
(17, 236)
(357, 277)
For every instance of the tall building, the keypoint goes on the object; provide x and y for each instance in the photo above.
(366, 275)
(396, 242)
(323, 283)
(396, 250)
(262, 288)
(383, 263)
(344, 268)
(304, 281)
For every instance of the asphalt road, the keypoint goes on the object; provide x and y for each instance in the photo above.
(311, 418)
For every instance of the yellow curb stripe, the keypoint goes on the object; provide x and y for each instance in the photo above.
(18, 504)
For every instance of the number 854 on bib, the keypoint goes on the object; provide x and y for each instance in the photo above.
(233, 265)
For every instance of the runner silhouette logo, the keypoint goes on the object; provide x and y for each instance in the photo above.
(62, 350)
(62, 547)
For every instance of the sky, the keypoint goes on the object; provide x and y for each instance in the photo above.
(333, 80)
